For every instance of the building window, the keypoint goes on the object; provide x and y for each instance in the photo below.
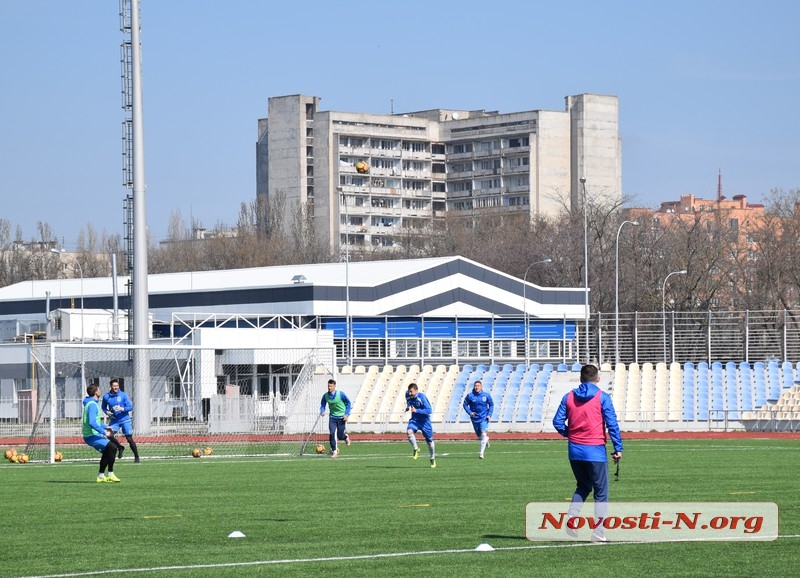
(477, 348)
(438, 348)
(488, 145)
(415, 146)
(505, 348)
(406, 347)
(458, 149)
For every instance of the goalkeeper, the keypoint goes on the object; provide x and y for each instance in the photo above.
(117, 405)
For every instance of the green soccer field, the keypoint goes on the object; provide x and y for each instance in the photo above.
(376, 512)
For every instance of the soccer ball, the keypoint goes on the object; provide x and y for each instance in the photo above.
(58, 457)
(207, 451)
(320, 449)
(23, 458)
(362, 167)
(196, 453)
(10, 453)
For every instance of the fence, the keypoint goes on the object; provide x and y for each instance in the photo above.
(695, 336)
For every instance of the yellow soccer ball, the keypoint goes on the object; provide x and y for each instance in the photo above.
(58, 456)
(23, 458)
(207, 451)
(196, 453)
(320, 449)
(362, 167)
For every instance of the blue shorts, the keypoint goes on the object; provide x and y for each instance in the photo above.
(426, 429)
(125, 426)
(97, 442)
(480, 427)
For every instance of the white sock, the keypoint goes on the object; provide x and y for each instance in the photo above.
(432, 447)
(101, 475)
(484, 441)
(413, 440)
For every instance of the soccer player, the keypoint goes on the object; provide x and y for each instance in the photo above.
(117, 405)
(98, 435)
(417, 402)
(582, 418)
(339, 406)
(479, 405)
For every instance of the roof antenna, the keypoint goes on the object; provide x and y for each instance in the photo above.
(391, 106)
(719, 186)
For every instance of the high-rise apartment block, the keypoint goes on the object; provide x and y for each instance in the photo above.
(373, 179)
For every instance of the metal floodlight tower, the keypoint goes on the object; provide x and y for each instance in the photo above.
(132, 80)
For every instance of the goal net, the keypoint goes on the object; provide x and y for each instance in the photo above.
(235, 401)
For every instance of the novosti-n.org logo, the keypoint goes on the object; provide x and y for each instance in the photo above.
(652, 522)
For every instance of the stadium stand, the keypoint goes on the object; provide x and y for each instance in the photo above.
(661, 396)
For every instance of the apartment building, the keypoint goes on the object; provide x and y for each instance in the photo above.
(373, 180)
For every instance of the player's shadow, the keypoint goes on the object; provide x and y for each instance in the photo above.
(70, 482)
(504, 537)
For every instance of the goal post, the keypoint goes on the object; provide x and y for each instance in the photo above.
(237, 401)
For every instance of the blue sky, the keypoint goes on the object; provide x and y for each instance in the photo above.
(703, 86)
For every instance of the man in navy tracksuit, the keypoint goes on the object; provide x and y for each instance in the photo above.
(583, 416)
(479, 405)
(339, 406)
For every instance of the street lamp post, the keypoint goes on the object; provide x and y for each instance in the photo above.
(616, 292)
(585, 267)
(525, 322)
(664, 308)
(348, 340)
(83, 323)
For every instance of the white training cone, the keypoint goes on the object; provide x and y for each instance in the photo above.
(484, 548)
(236, 534)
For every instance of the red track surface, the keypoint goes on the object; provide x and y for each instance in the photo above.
(400, 436)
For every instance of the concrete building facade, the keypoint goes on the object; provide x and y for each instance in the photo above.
(374, 180)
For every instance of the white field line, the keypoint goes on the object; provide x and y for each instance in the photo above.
(339, 558)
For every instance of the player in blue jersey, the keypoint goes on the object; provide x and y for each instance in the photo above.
(417, 402)
(479, 405)
(117, 405)
(339, 406)
(97, 435)
(584, 415)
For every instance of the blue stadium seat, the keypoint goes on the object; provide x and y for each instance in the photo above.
(562, 367)
(576, 367)
(508, 410)
(522, 407)
(787, 374)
